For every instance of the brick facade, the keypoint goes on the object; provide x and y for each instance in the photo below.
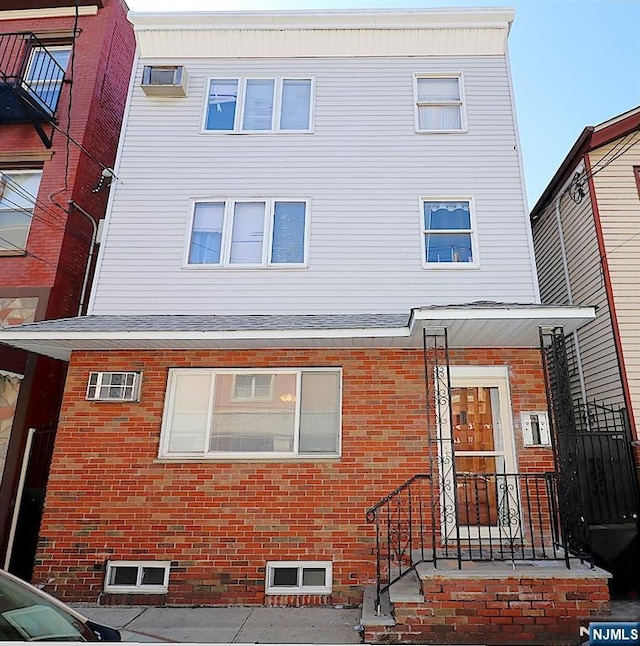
(220, 521)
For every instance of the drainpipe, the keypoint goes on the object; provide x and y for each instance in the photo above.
(18, 499)
(567, 281)
(94, 237)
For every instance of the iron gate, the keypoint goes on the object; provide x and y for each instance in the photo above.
(592, 447)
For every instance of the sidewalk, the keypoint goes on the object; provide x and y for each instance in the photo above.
(232, 624)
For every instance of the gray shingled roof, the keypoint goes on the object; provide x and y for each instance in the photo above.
(218, 323)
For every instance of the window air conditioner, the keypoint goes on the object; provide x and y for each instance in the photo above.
(164, 80)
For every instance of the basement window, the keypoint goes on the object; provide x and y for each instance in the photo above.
(299, 577)
(150, 577)
(114, 386)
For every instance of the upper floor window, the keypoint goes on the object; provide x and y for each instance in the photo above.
(259, 105)
(439, 104)
(448, 235)
(45, 73)
(255, 233)
(249, 413)
(18, 194)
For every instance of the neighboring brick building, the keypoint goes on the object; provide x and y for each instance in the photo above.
(316, 297)
(64, 70)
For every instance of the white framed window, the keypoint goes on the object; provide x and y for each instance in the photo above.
(439, 102)
(256, 387)
(18, 192)
(299, 577)
(114, 386)
(45, 74)
(259, 105)
(249, 233)
(448, 233)
(203, 417)
(150, 577)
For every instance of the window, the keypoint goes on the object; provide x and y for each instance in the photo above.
(439, 104)
(18, 193)
(250, 413)
(298, 577)
(259, 105)
(234, 233)
(252, 387)
(114, 386)
(45, 74)
(448, 237)
(137, 576)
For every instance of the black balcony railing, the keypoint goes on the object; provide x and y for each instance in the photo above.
(494, 517)
(30, 81)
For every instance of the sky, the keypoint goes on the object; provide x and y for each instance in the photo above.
(575, 63)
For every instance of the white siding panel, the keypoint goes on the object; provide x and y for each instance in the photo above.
(260, 43)
(363, 169)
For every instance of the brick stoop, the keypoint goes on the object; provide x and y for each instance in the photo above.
(539, 603)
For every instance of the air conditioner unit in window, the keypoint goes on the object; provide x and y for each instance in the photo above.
(114, 386)
(164, 80)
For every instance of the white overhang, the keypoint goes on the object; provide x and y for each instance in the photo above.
(245, 34)
(515, 326)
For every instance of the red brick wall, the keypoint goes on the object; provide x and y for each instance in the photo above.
(498, 611)
(102, 65)
(109, 498)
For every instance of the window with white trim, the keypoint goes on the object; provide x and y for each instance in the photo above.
(18, 193)
(150, 577)
(45, 74)
(299, 577)
(254, 233)
(204, 417)
(259, 105)
(439, 104)
(448, 237)
(114, 386)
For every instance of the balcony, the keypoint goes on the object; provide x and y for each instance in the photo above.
(31, 78)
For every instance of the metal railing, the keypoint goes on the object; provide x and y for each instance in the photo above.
(31, 71)
(496, 517)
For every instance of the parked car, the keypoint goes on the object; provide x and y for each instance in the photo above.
(29, 614)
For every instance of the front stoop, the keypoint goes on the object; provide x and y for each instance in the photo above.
(539, 603)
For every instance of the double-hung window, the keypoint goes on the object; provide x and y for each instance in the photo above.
(259, 105)
(253, 233)
(18, 194)
(45, 74)
(448, 234)
(252, 413)
(439, 104)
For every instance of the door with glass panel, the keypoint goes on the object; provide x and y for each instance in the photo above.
(479, 440)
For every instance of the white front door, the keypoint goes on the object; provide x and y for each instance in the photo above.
(478, 420)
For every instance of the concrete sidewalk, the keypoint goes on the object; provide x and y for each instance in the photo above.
(260, 625)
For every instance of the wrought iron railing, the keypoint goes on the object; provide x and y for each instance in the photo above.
(499, 517)
(31, 71)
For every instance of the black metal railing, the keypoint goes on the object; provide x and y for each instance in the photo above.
(499, 517)
(32, 73)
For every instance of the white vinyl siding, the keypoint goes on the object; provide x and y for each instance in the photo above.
(364, 170)
(234, 414)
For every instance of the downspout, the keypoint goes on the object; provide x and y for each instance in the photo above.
(567, 281)
(87, 270)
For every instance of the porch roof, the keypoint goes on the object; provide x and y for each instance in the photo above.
(473, 325)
